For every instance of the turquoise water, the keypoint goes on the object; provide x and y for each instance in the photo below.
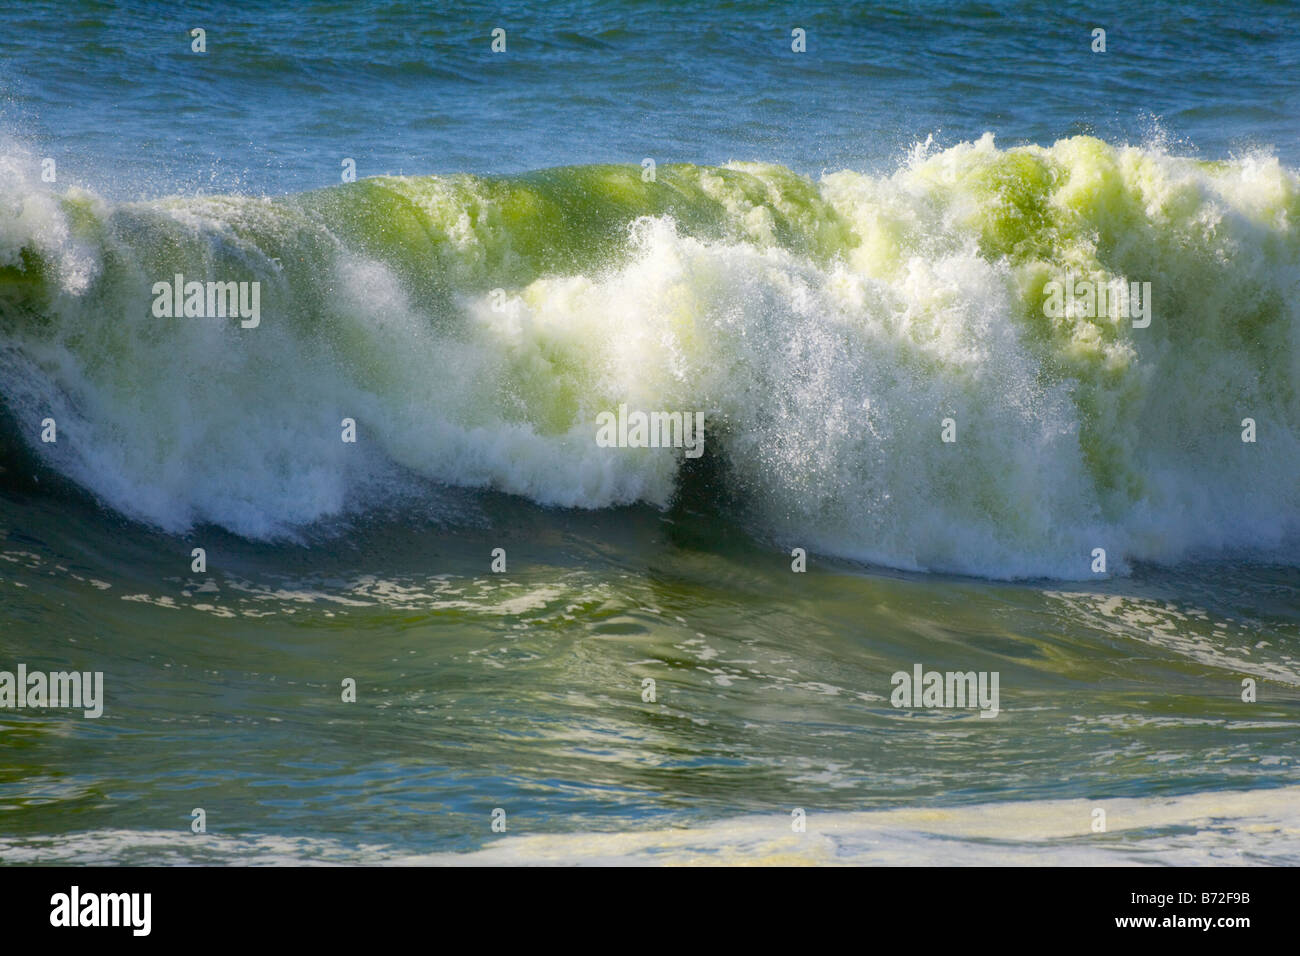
(839, 251)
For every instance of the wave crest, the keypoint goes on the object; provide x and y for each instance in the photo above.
(475, 327)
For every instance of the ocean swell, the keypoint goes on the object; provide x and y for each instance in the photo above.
(475, 327)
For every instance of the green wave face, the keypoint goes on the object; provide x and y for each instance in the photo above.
(476, 327)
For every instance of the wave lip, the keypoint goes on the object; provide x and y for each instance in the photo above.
(832, 332)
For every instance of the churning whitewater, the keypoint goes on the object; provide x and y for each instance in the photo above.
(476, 327)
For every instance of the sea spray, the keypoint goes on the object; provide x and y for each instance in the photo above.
(829, 327)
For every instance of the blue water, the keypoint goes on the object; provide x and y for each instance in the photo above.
(286, 91)
(825, 323)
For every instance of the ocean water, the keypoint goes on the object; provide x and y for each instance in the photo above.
(842, 254)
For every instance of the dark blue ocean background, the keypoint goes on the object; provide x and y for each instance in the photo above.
(287, 90)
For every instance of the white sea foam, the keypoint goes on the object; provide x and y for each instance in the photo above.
(826, 330)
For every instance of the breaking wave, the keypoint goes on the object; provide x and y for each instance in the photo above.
(474, 328)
